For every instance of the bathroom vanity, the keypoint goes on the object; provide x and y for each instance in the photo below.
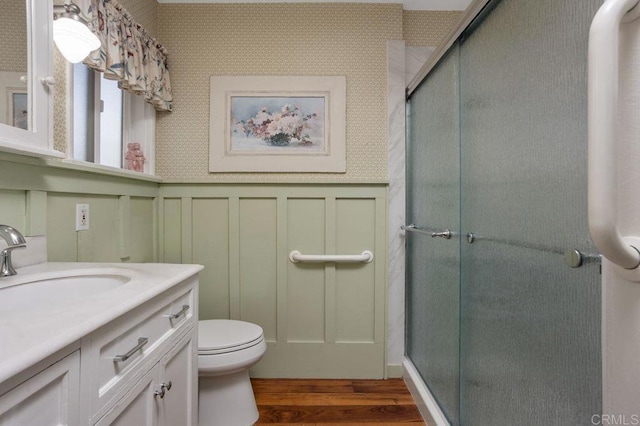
(99, 344)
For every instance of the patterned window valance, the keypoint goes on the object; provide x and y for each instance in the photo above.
(128, 53)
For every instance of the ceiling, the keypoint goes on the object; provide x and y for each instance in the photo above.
(407, 4)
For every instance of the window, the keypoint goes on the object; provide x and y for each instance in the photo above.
(106, 119)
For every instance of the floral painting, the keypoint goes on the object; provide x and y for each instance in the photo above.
(281, 124)
(277, 124)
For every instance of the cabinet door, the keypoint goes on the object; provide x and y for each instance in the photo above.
(49, 398)
(35, 134)
(140, 406)
(180, 402)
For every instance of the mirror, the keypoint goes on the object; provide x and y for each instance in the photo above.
(14, 64)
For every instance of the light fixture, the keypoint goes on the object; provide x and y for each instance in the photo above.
(71, 34)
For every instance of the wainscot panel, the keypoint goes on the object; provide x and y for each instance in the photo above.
(39, 197)
(322, 320)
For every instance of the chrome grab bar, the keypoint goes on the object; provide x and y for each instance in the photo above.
(366, 257)
(602, 114)
(141, 342)
(177, 315)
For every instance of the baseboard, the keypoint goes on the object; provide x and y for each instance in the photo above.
(394, 371)
(425, 402)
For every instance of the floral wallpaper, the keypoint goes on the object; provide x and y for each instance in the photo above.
(13, 35)
(61, 132)
(332, 39)
(145, 12)
(428, 28)
(277, 39)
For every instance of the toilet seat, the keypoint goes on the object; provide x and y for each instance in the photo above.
(217, 337)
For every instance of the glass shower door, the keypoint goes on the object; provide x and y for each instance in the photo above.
(530, 325)
(433, 194)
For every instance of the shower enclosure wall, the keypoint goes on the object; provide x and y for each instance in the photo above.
(500, 329)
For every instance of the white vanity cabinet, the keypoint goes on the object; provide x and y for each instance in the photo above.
(164, 396)
(142, 368)
(49, 398)
(135, 365)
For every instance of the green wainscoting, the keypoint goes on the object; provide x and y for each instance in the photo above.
(38, 197)
(320, 320)
(13, 208)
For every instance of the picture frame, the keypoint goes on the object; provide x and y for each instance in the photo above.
(277, 124)
(14, 105)
(18, 108)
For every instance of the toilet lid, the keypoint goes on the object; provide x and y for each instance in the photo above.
(227, 335)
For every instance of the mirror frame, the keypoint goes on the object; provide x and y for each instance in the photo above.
(38, 141)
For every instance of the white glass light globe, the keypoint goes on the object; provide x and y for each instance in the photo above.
(74, 39)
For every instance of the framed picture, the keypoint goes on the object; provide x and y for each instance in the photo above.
(14, 102)
(277, 124)
(19, 109)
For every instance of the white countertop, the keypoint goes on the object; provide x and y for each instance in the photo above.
(29, 336)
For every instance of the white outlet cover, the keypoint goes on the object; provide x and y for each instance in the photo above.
(82, 217)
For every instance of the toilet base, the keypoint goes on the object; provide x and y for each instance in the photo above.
(227, 400)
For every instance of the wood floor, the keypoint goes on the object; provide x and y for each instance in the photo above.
(335, 402)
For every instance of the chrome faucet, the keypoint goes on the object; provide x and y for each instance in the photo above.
(14, 240)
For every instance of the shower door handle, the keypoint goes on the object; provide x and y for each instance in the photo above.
(602, 152)
(446, 234)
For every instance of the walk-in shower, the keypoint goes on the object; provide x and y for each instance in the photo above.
(504, 317)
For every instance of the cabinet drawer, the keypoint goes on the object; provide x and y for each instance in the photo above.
(148, 402)
(125, 349)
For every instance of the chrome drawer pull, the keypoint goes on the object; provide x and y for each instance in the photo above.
(141, 342)
(183, 311)
(164, 387)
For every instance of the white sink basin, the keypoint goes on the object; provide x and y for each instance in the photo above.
(57, 290)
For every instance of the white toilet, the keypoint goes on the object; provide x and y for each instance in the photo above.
(226, 351)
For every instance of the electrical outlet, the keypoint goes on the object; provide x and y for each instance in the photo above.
(82, 217)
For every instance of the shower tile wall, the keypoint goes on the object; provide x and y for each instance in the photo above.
(403, 63)
(396, 137)
(415, 57)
